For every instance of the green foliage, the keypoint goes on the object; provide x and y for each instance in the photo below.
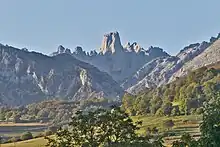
(48, 132)
(2, 116)
(43, 113)
(26, 136)
(47, 111)
(210, 126)
(188, 93)
(101, 127)
(168, 124)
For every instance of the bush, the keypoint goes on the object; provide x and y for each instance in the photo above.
(39, 135)
(159, 112)
(13, 139)
(199, 111)
(193, 111)
(26, 136)
(53, 129)
(48, 132)
(168, 124)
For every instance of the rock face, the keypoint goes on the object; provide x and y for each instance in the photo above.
(27, 77)
(210, 56)
(118, 61)
(166, 69)
(136, 68)
(111, 42)
(61, 50)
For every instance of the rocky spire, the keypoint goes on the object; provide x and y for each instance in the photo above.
(134, 47)
(60, 49)
(111, 43)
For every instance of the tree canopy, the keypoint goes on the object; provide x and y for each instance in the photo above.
(101, 127)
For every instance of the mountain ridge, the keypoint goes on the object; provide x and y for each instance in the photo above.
(26, 77)
(80, 75)
(166, 70)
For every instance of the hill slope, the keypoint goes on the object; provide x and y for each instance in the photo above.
(163, 70)
(27, 77)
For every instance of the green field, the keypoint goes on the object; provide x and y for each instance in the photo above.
(38, 142)
(189, 124)
(183, 124)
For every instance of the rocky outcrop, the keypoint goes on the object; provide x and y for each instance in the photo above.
(136, 68)
(134, 47)
(166, 69)
(27, 77)
(210, 56)
(61, 50)
(119, 62)
(111, 42)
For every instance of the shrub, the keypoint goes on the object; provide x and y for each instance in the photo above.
(13, 139)
(48, 132)
(26, 136)
(168, 124)
(199, 111)
(39, 135)
(53, 129)
(160, 112)
(193, 110)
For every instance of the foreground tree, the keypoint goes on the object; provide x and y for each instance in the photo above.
(101, 128)
(210, 126)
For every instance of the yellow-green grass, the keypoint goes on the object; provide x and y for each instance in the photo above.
(155, 121)
(182, 124)
(37, 142)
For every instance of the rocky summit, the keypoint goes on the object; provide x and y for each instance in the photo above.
(118, 61)
(27, 77)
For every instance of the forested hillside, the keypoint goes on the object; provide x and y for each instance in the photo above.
(183, 96)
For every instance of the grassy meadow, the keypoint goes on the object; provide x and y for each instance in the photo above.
(37, 142)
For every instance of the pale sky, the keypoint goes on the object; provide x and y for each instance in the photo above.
(42, 25)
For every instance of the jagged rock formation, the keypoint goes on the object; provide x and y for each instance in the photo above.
(166, 69)
(210, 56)
(111, 42)
(27, 77)
(134, 47)
(118, 61)
(61, 50)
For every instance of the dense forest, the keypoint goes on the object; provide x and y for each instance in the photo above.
(46, 111)
(186, 95)
(52, 111)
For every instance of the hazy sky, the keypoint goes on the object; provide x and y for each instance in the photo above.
(42, 25)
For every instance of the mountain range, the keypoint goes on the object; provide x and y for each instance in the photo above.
(27, 77)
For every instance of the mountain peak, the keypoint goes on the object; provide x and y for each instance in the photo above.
(61, 50)
(134, 47)
(111, 43)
